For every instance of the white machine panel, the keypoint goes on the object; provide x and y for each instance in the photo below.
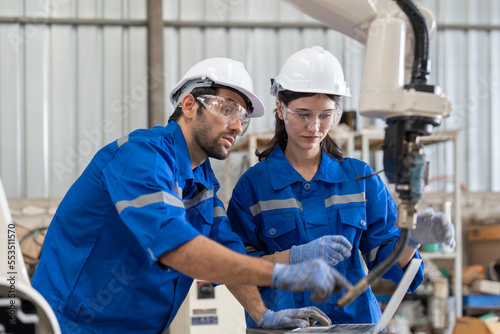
(222, 314)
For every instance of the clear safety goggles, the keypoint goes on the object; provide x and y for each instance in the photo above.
(305, 119)
(230, 111)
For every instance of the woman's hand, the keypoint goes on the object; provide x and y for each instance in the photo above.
(331, 248)
(432, 228)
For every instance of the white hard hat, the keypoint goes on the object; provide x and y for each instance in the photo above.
(311, 70)
(216, 72)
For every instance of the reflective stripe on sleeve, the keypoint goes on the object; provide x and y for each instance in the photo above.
(152, 255)
(177, 189)
(203, 195)
(345, 199)
(144, 200)
(219, 212)
(275, 204)
(371, 255)
(122, 141)
(250, 249)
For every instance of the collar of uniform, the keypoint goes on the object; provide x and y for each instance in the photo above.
(181, 151)
(283, 173)
(330, 170)
(203, 173)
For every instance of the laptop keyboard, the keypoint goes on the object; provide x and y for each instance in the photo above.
(349, 328)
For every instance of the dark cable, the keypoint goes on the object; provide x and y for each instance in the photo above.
(359, 178)
(385, 265)
(417, 20)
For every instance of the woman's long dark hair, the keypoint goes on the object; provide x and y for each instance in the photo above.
(281, 137)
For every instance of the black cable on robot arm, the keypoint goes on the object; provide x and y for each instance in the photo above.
(419, 71)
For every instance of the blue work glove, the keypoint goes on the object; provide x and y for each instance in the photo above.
(331, 248)
(294, 318)
(432, 228)
(314, 275)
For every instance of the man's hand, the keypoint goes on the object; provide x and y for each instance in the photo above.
(331, 248)
(314, 275)
(294, 318)
(432, 228)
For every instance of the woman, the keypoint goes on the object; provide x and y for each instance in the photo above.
(302, 201)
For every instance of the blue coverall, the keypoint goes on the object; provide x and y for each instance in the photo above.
(273, 208)
(137, 199)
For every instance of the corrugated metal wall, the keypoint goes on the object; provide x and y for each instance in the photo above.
(68, 89)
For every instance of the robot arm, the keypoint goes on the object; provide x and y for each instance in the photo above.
(394, 88)
(350, 17)
(396, 34)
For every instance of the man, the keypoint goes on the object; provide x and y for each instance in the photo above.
(144, 218)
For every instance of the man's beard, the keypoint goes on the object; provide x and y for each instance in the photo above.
(208, 141)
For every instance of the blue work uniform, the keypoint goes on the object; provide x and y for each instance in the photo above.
(138, 199)
(273, 208)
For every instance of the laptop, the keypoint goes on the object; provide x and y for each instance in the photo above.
(387, 315)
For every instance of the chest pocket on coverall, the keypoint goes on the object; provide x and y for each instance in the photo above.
(279, 230)
(352, 224)
(201, 216)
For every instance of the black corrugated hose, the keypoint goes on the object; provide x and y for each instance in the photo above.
(417, 20)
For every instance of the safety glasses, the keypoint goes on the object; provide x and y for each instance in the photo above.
(305, 119)
(230, 111)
